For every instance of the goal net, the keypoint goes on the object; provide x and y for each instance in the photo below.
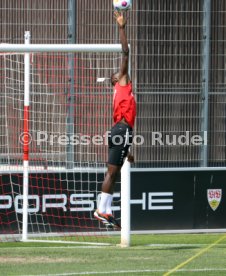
(70, 112)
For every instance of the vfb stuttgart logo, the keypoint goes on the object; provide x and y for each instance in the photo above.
(214, 198)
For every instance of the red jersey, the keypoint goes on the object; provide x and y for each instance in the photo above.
(124, 105)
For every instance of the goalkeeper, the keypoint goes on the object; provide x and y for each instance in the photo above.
(120, 136)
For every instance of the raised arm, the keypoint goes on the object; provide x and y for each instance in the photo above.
(123, 72)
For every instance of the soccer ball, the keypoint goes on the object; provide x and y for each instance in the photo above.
(122, 5)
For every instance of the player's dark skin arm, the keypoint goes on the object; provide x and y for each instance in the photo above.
(123, 78)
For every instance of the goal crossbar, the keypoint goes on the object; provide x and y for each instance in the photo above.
(82, 48)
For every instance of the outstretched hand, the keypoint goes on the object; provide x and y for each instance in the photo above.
(120, 18)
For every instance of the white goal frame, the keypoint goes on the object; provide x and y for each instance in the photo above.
(28, 48)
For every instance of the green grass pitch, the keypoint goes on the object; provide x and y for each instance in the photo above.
(175, 254)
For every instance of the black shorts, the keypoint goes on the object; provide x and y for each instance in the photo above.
(119, 140)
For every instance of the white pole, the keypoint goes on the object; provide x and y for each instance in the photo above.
(26, 138)
(83, 48)
(125, 204)
(125, 195)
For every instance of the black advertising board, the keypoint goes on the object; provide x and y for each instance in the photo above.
(161, 200)
(178, 200)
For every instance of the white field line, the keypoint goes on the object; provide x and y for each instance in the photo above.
(57, 247)
(131, 271)
(181, 244)
(107, 246)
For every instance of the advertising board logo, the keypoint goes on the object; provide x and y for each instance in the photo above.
(214, 198)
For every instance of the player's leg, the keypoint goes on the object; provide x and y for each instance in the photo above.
(110, 178)
(104, 212)
(118, 149)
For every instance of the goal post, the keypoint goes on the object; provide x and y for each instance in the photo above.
(87, 162)
(62, 48)
(27, 37)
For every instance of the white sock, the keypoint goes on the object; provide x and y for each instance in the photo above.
(103, 202)
(108, 206)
